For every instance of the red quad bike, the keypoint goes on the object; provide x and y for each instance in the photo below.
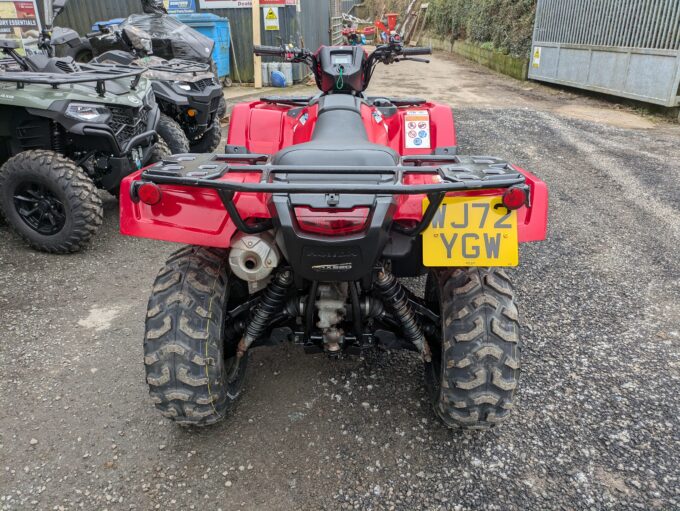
(303, 230)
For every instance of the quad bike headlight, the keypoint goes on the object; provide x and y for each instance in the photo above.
(183, 85)
(87, 112)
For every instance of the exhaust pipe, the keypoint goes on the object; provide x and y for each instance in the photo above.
(253, 258)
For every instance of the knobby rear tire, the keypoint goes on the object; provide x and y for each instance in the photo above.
(475, 367)
(186, 355)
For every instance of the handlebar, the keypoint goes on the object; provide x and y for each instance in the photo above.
(407, 52)
(269, 51)
(387, 54)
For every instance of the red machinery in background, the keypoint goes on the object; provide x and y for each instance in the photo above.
(390, 29)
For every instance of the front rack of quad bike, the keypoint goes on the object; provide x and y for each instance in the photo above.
(306, 100)
(179, 66)
(455, 173)
(89, 73)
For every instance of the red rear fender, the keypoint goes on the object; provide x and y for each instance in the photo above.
(193, 216)
(197, 216)
(532, 220)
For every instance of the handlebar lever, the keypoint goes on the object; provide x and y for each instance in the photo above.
(413, 59)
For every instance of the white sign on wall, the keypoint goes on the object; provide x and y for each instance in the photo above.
(271, 18)
(225, 4)
(236, 4)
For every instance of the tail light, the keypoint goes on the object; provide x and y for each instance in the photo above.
(149, 193)
(332, 222)
(515, 197)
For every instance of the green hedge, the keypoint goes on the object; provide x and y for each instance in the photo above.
(505, 25)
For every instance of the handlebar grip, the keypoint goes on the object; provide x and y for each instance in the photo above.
(270, 51)
(408, 52)
(92, 34)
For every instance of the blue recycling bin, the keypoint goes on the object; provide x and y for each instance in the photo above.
(217, 29)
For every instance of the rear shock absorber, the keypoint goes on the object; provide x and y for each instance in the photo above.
(272, 303)
(394, 297)
(57, 139)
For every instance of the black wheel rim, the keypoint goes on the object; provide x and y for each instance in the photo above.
(39, 208)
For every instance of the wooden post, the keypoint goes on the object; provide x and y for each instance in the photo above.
(257, 39)
(47, 12)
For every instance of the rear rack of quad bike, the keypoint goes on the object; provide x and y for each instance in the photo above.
(456, 174)
(89, 73)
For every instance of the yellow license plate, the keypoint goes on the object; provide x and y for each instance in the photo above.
(471, 231)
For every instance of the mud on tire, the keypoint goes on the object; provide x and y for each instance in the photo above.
(65, 186)
(186, 355)
(476, 363)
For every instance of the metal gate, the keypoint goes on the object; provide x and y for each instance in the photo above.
(336, 22)
(628, 48)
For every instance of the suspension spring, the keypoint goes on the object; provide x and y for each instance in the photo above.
(272, 303)
(394, 297)
(57, 139)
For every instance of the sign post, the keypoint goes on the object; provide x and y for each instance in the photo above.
(47, 9)
(257, 40)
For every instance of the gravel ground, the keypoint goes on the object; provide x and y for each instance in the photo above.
(597, 425)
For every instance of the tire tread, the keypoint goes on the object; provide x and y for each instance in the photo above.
(172, 133)
(481, 348)
(183, 345)
(81, 193)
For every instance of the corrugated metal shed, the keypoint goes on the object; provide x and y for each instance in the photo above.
(629, 48)
(81, 14)
(310, 25)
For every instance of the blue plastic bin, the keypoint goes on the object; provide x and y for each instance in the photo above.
(217, 29)
(117, 21)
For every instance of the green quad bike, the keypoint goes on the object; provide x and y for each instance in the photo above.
(65, 131)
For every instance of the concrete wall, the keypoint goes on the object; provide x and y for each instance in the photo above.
(515, 67)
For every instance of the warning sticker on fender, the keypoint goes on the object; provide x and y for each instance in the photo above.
(417, 130)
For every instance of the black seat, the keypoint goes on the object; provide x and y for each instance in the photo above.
(339, 139)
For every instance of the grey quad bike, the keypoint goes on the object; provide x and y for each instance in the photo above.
(189, 96)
